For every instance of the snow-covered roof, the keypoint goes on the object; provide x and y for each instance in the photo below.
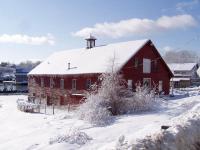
(198, 71)
(181, 66)
(94, 60)
(180, 79)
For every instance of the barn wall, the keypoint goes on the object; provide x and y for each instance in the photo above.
(161, 73)
(61, 96)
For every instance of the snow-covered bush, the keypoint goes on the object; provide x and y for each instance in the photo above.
(26, 106)
(73, 137)
(95, 110)
(112, 97)
(122, 144)
(142, 100)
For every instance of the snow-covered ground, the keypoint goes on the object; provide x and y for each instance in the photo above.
(26, 131)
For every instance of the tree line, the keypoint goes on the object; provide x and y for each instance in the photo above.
(183, 56)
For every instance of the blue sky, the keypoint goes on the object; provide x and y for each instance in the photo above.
(33, 29)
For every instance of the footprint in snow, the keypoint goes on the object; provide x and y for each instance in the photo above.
(32, 147)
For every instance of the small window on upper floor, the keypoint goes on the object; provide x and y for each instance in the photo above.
(146, 65)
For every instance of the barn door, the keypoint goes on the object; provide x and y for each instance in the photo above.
(147, 82)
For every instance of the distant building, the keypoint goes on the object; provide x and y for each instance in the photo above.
(66, 76)
(185, 74)
(7, 73)
(21, 79)
(21, 75)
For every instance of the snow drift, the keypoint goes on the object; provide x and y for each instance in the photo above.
(184, 133)
(73, 137)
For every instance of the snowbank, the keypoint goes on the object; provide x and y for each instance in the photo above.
(73, 137)
(183, 133)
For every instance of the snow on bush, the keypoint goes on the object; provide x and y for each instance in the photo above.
(73, 137)
(184, 133)
(26, 106)
(94, 110)
(113, 98)
(143, 99)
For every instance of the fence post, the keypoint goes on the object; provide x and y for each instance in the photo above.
(45, 108)
(53, 108)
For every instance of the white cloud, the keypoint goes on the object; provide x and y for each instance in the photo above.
(25, 39)
(187, 4)
(167, 49)
(136, 26)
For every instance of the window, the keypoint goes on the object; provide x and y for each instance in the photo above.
(51, 83)
(42, 82)
(62, 84)
(160, 86)
(136, 62)
(130, 84)
(147, 82)
(74, 84)
(146, 65)
(88, 83)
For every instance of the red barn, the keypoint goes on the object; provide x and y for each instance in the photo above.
(65, 76)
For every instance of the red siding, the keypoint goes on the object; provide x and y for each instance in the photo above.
(137, 75)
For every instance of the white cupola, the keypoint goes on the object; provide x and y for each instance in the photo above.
(90, 42)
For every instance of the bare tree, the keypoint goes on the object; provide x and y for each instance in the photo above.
(181, 57)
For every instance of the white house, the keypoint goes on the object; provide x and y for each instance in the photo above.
(185, 74)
